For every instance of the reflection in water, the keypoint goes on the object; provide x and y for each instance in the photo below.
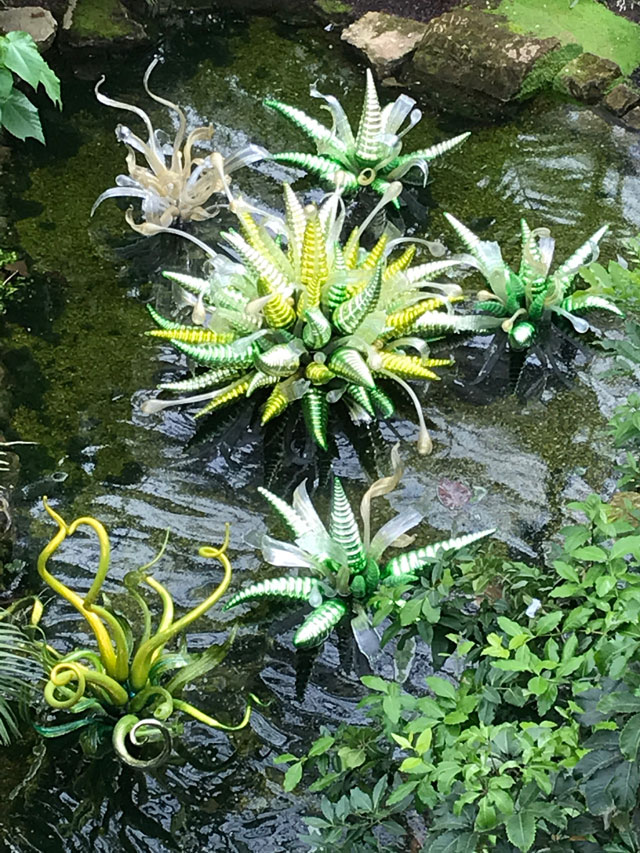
(79, 367)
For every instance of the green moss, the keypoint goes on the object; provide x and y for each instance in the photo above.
(546, 68)
(333, 7)
(590, 24)
(101, 18)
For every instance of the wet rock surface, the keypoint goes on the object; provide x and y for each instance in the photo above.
(588, 76)
(99, 24)
(471, 64)
(386, 40)
(621, 99)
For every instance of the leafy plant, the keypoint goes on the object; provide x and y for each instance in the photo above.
(534, 746)
(532, 302)
(621, 278)
(174, 186)
(125, 688)
(347, 563)
(19, 55)
(20, 671)
(311, 319)
(369, 157)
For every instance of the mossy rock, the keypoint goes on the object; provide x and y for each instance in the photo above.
(100, 23)
(588, 77)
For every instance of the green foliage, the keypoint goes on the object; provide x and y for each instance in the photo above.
(534, 746)
(20, 674)
(621, 278)
(19, 55)
(12, 281)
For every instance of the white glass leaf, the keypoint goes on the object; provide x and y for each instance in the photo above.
(390, 531)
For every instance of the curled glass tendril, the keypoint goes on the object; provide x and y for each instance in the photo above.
(133, 689)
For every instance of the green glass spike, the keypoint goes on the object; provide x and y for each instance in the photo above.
(413, 561)
(238, 354)
(362, 397)
(194, 285)
(350, 313)
(370, 126)
(382, 402)
(316, 331)
(315, 409)
(313, 128)
(291, 518)
(295, 589)
(358, 587)
(281, 359)
(344, 528)
(319, 624)
(259, 380)
(347, 363)
(322, 166)
(585, 301)
(204, 380)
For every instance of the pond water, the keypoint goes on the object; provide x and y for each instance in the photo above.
(79, 367)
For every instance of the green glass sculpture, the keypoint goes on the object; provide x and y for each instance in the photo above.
(345, 565)
(310, 320)
(369, 157)
(526, 303)
(129, 687)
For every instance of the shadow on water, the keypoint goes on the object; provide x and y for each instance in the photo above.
(79, 367)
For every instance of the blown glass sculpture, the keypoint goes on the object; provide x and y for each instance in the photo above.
(370, 156)
(130, 689)
(310, 320)
(346, 565)
(174, 186)
(526, 303)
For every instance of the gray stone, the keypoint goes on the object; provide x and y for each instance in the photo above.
(386, 40)
(632, 118)
(38, 22)
(621, 99)
(587, 77)
(470, 63)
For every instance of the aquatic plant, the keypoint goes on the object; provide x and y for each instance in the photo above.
(174, 186)
(345, 564)
(19, 55)
(126, 688)
(311, 319)
(370, 156)
(20, 670)
(533, 301)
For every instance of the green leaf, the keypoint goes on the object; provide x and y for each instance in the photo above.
(21, 56)
(410, 764)
(521, 830)
(511, 629)
(20, 117)
(6, 83)
(441, 687)
(360, 801)
(547, 623)
(284, 758)
(402, 741)
(566, 571)
(402, 791)
(578, 617)
(351, 758)
(604, 585)
(424, 741)
(321, 745)
(391, 706)
(630, 738)
(293, 776)
(486, 818)
(591, 554)
(538, 685)
(374, 682)
(624, 546)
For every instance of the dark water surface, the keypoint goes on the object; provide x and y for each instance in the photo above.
(79, 368)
